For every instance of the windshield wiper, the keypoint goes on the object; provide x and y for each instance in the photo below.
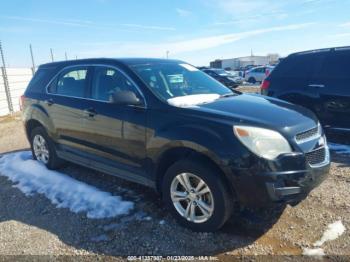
(228, 95)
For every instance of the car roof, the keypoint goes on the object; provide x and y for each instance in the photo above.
(125, 61)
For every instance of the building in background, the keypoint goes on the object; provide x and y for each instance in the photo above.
(242, 62)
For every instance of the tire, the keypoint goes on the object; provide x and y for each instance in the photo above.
(252, 80)
(222, 200)
(52, 161)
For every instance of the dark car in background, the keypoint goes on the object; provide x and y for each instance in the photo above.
(223, 77)
(165, 124)
(318, 80)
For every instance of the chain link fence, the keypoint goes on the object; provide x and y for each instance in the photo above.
(13, 82)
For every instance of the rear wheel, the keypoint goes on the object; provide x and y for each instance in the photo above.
(196, 195)
(43, 149)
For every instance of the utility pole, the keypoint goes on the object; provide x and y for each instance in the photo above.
(65, 55)
(51, 51)
(6, 82)
(32, 56)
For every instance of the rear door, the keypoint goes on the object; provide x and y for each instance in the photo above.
(333, 89)
(65, 103)
(290, 80)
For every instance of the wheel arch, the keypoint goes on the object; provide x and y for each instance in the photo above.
(38, 117)
(172, 155)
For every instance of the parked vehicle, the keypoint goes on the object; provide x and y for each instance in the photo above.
(258, 74)
(318, 80)
(223, 77)
(237, 75)
(165, 124)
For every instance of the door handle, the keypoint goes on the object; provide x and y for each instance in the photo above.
(49, 102)
(91, 112)
(316, 85)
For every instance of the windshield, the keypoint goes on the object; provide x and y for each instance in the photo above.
(221, 72)
(179, 80)
(233, 73)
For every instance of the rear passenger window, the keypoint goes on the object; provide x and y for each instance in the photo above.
(72, 83)
(337, 65)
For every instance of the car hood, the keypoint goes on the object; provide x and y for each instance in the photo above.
(261, 111)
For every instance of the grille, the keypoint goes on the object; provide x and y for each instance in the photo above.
(307, 134)
(317, 156)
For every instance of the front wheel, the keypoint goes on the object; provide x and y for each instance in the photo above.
(196, 195)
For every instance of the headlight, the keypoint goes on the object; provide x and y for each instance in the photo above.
(263, 142)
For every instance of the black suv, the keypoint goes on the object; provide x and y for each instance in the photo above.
(318, 80)
(165, 124)
(223, 77)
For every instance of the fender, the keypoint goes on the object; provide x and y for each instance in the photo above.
(40, 114)
(199, 138)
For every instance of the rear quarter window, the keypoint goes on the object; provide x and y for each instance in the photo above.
(299, 66)
(40, 80)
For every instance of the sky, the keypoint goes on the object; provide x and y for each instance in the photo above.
(196, 31)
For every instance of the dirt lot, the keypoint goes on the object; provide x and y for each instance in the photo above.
(34, 226)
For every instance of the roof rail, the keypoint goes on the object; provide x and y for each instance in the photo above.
(341, 48)
(313, 51)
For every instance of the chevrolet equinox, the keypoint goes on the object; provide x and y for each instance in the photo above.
(165, 124)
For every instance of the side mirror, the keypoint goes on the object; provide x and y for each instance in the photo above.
(125, 98)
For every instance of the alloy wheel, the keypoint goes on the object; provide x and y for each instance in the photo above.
(192, 197)
(40, 148)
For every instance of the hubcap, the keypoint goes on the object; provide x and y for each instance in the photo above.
(40, 149)
(192, 197)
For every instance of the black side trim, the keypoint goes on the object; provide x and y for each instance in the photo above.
(114, 171)
(100, 148)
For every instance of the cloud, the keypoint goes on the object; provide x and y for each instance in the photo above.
(242, 13)
(151, 27)
(252, 19)
(15, 29)
(341, 35)
(77, 23)
(183, 12)
(347, 24)
(88, 24)
(243, 7)
(178, 47)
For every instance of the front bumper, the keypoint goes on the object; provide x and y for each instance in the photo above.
(289, 179)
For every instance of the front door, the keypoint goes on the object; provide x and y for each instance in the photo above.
(116, 133)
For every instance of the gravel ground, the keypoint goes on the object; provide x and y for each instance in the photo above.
(34, 226)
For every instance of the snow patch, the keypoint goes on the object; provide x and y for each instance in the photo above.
(313, 252)
(63, 191)
(333, 231)
(192, 100)
(339, 148)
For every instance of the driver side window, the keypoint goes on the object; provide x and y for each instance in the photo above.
(107, 81)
